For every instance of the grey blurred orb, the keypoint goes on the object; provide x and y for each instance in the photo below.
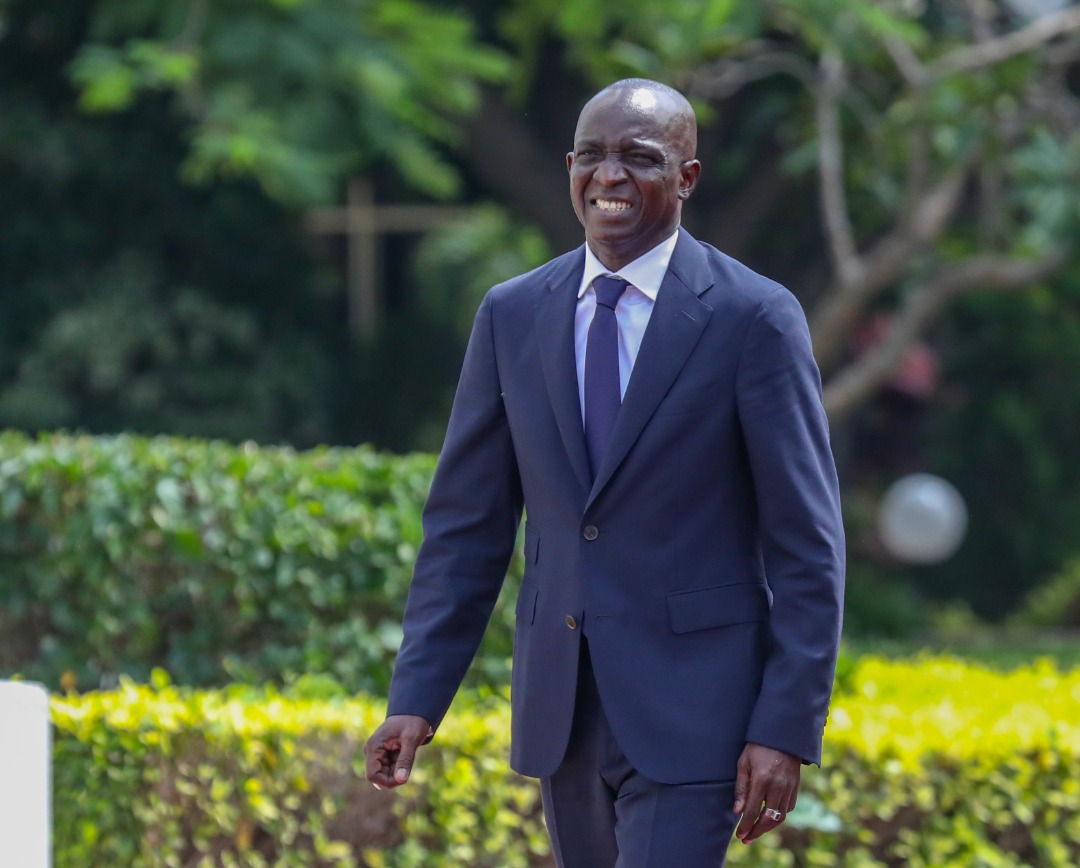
(922, 519)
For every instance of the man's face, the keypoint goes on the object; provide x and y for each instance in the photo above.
(630, 170)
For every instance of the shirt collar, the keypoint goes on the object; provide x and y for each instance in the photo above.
(646, 273)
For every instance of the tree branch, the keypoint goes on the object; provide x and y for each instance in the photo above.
(499, 142)
(982, 14)
(838, 231)
(1037, 33)
(884, 264)
(861, 378)
(908, 64)
(991, 210)
(726, 77)
(194, 25)
(930, 206)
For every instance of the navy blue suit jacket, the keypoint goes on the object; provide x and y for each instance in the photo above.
(705, 560)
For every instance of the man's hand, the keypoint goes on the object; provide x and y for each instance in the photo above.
(391, 750)
(766, 789)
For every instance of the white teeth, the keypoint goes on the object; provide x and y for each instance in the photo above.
(609, 205)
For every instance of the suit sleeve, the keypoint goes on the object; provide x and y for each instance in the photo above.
(470, 524)
(800, 527)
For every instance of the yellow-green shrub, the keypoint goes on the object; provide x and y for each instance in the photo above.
(940, 762)
(165, 776)
(932, 762)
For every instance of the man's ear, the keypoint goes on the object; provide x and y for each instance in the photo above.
(569, 160)
(689, 173)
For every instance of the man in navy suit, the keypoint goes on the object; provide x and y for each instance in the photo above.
(655, 407)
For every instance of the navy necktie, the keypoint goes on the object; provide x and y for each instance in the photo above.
(603, 395)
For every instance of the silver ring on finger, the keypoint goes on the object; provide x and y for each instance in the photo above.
(774, 814)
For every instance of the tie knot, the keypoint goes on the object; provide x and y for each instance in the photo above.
(609, 290)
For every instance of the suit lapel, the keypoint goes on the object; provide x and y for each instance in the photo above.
(678, 319)
(555, 336)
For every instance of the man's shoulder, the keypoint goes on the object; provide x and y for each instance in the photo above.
(551, 273)
(729, 271)
(732, 285)
(744, 295)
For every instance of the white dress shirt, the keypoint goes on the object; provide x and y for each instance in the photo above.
(632, 313)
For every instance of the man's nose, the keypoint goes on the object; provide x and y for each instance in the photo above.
(611, 170)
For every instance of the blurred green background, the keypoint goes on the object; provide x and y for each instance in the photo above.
(241, 244)
(176, 256)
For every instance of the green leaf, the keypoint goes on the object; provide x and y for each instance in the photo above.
(106, 83)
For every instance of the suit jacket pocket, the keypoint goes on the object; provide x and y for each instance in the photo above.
(526, 603)
(718, 606)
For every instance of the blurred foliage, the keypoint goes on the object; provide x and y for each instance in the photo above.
(459, 262)
(129, 299)
(928, 762)
(137, 353)
(1005, 434)
(1055, 602)
(218, 562)
(632, 38)
(737, 61)
(992, 645)
(408, 371)
(134, 300)
(878, 603)
(155, 158)
(295, 93)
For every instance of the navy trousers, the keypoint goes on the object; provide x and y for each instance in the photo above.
(602, 814)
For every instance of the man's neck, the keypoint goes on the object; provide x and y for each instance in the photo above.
(614, 260)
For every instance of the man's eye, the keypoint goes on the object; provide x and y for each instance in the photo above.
(643, 159)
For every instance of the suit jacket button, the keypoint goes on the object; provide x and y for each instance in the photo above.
(591, 532)
(570, 622)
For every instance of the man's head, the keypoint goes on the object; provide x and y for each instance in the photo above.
(631, 168)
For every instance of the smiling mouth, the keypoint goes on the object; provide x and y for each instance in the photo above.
(611, 206)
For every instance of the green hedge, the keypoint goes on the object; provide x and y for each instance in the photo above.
(215, 562)
(932, 762)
